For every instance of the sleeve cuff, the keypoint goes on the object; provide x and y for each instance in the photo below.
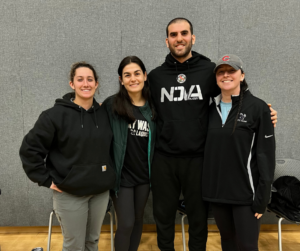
(47, 182)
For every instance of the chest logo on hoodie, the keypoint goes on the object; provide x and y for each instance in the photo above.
(242, 117)
(179, 93)
(181, 78)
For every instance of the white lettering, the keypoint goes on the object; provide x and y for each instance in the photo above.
(197, 95)
(140, 124)
(145, 126)
(133, 124)
(169, 96)
(182, 90)
(183, 95)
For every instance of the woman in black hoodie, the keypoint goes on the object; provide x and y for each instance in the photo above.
(68, 151)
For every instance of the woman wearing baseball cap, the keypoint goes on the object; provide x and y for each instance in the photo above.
(239, 157)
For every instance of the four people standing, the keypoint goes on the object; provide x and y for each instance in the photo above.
(181, 89)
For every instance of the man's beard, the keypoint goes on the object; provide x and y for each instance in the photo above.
(188, 48)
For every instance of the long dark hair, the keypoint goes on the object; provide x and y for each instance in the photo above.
(122, 103)
(243, 89)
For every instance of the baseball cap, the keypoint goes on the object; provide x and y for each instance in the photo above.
(232, 60)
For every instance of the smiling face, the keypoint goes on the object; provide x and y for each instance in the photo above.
(229, 79)
(133, 78)
(84, 84)
(180, 40)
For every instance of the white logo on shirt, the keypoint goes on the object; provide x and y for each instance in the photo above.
(268, 136)
(139, 128)
(179, 93)
(181, 78)
(242, 117)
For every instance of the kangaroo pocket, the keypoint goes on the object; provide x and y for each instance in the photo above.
(184, 137)
(88, 179)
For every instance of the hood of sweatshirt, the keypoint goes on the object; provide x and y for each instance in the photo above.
(189, 63)
(181, 94)
(68, 101)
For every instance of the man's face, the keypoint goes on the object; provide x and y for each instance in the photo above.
(180, 40)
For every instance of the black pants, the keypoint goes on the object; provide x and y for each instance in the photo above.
(239, 229)
(129, 207)
(169, 177)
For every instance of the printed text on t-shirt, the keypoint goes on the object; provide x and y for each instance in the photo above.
(139, 128)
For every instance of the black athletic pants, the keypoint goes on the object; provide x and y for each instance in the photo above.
(239, 229)
(169, 177)
(129, 207)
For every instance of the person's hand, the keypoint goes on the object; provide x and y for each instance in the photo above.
(54, 187)
(257, 215)
(273, 115)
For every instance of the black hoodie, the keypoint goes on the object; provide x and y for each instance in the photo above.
(181, 94)
(71, 147)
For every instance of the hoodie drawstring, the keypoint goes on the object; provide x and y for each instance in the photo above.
(188, 65)
(188, 68)
(176, 68)
(81, 116)
(95, 116)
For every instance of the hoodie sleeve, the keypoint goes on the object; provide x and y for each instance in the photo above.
(34, 149)
(265, 160)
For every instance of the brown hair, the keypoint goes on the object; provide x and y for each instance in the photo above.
(77, 65)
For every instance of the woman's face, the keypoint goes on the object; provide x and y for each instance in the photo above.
(84, 83)
(228, 79)
(133, 78)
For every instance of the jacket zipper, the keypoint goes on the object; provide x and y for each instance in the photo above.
(221, 115)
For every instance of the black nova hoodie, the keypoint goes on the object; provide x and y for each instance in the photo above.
(181, 94)
(71, 147)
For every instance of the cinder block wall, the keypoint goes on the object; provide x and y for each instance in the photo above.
(41, 39)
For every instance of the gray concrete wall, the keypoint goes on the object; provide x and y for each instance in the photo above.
(41, 39)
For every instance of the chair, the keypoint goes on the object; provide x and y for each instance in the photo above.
(289, 167)
(181, 210)
(108, 211)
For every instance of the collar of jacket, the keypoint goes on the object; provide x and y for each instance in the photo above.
(145, 109)
(235, 98)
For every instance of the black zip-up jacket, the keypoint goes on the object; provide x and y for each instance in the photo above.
(239, 167)
(181, 93)
(71, 147)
